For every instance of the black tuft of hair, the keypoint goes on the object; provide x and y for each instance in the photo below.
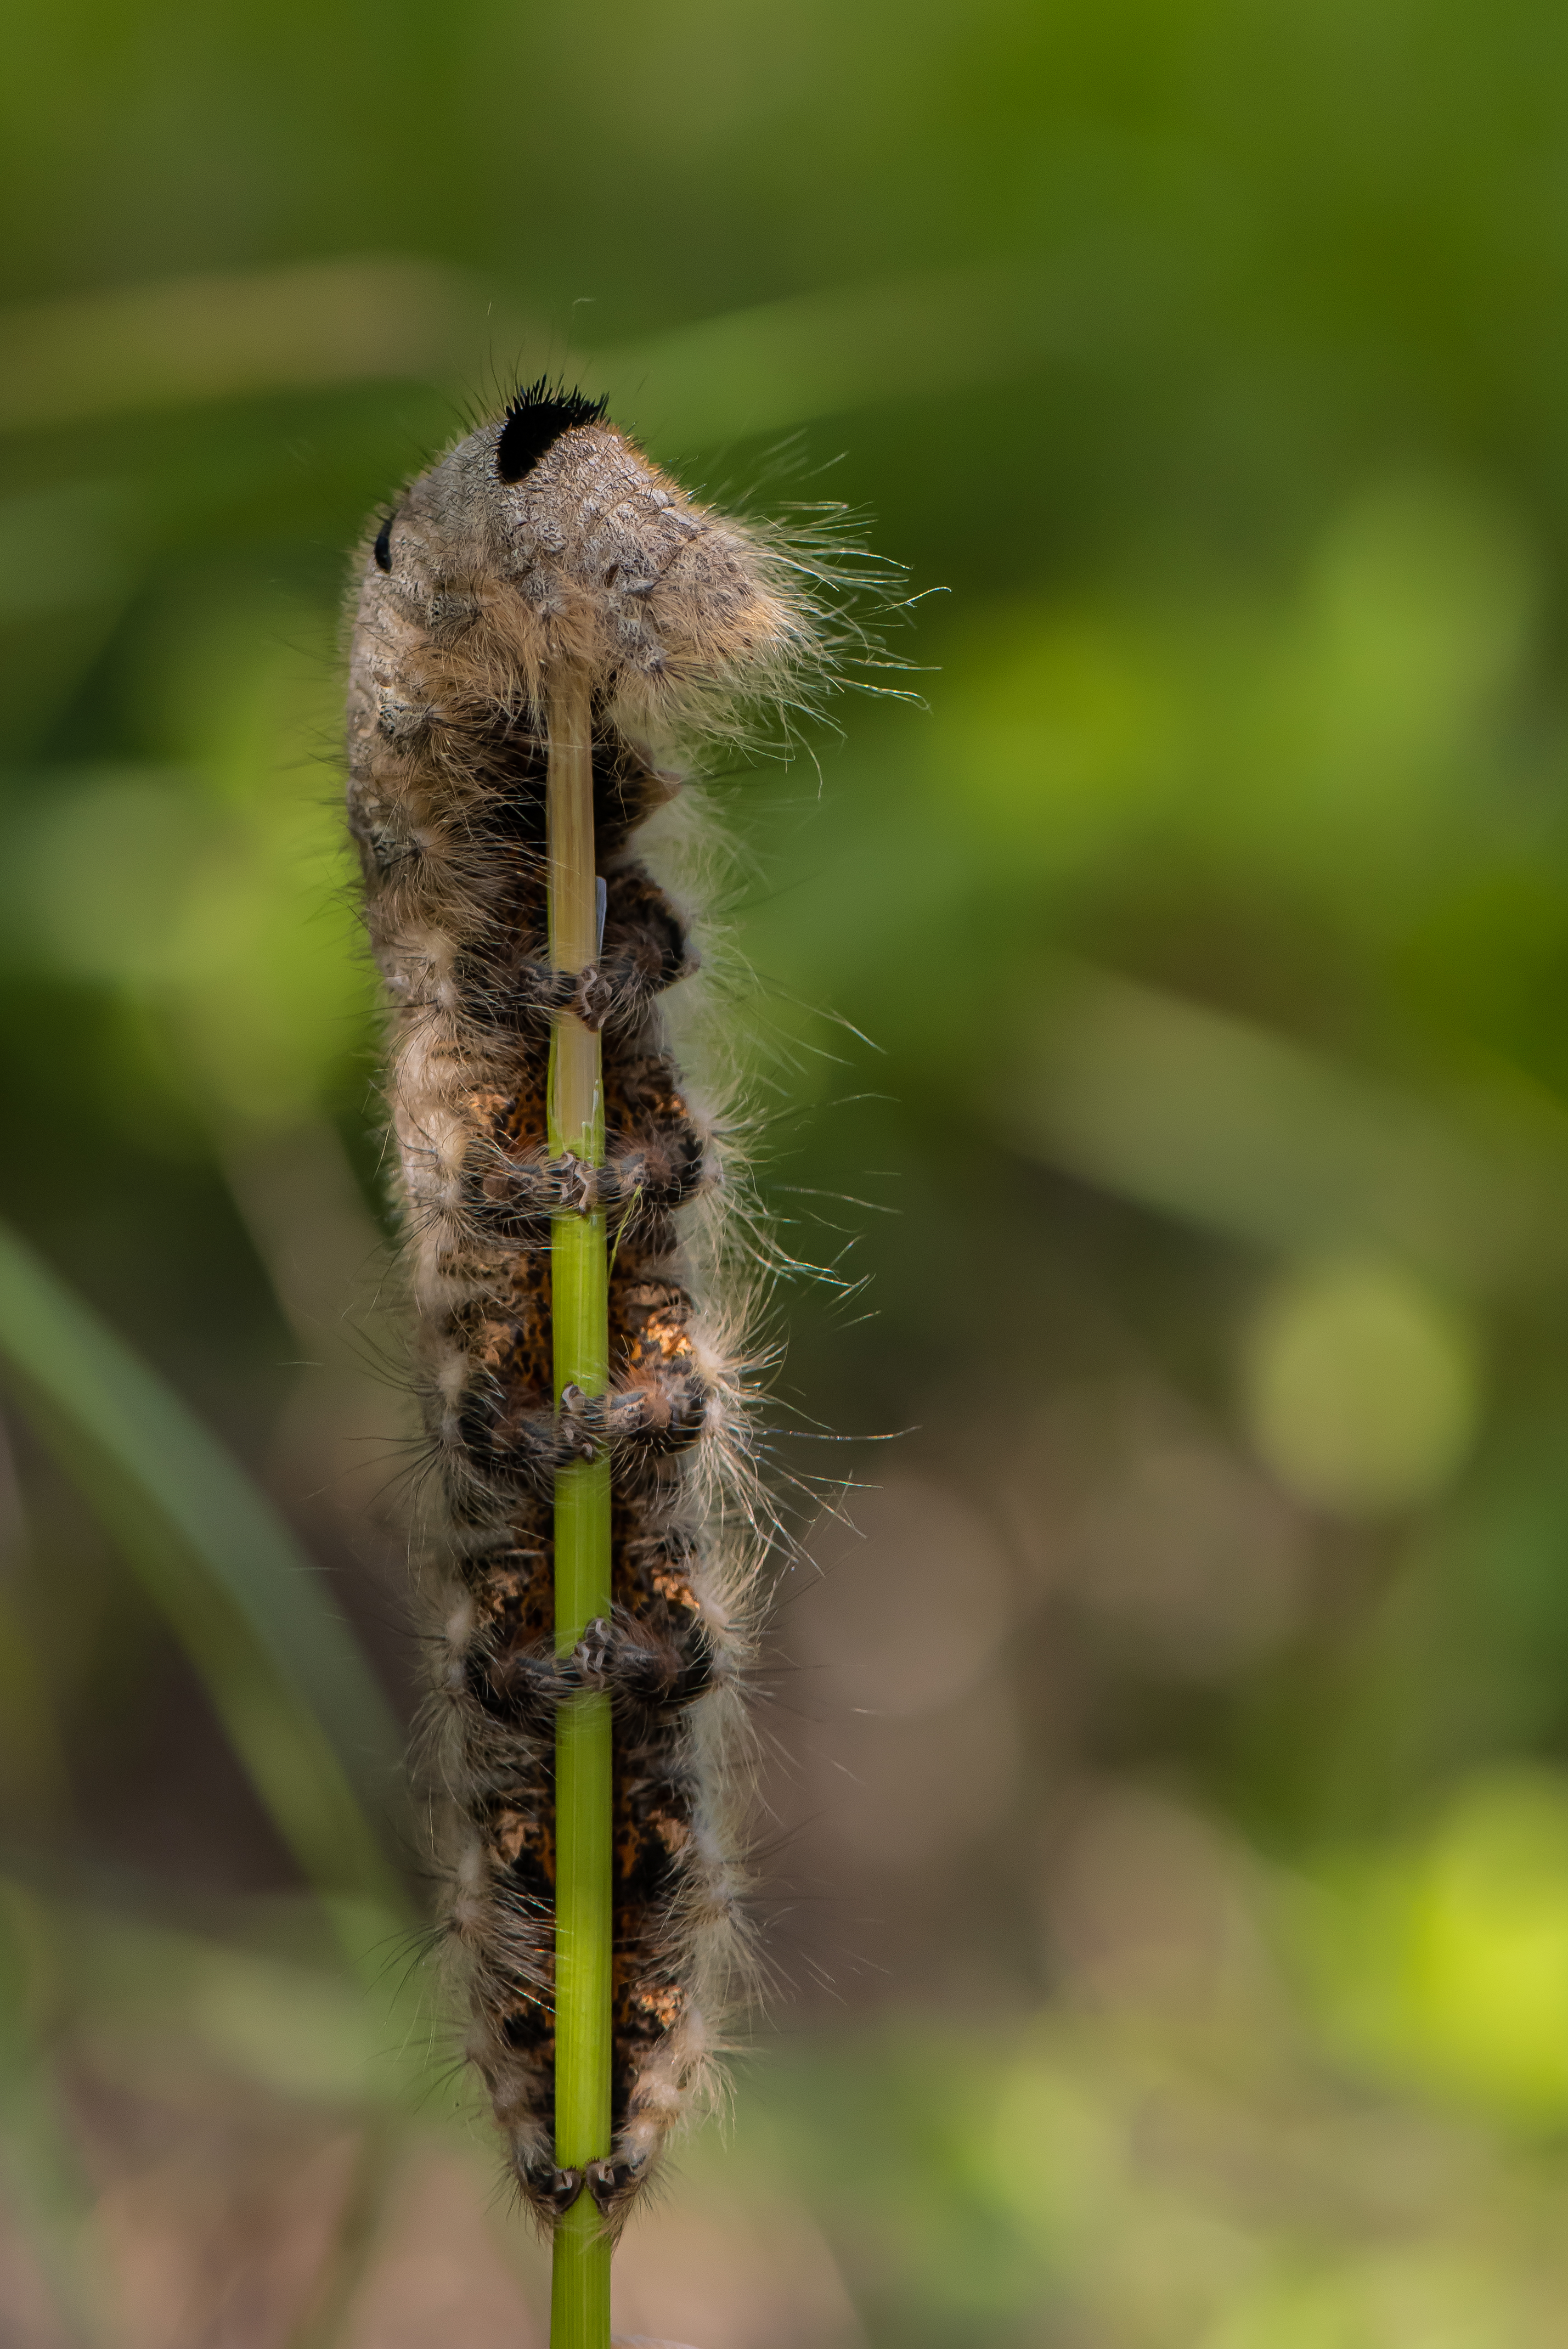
(536, 417)
(384, 545)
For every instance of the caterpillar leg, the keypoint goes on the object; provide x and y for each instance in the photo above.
(662, 1171)
(645, 950)
(556, 2190)
(499, 1446)
(634, 1666)
(611, 2183)
(523, 1689)
(658, 1154)
(499, 1441)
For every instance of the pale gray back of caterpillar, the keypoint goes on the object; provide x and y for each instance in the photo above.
(545, 542)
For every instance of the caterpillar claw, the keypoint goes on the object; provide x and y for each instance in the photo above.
(594, 999)
(610, 2181)
(561, 2189)
(591, 1656)
(580, 1424)
(577, 1184)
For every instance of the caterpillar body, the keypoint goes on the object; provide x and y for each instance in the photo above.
(546, 544)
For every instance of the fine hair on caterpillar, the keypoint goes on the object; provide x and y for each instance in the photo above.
(545, 555)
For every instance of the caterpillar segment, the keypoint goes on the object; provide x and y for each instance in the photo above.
(543, 544)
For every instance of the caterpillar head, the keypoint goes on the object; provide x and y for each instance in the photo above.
(552, 533)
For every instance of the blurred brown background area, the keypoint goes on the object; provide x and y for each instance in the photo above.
(1162, 1823)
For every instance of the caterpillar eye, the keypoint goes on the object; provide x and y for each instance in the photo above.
(384, 545)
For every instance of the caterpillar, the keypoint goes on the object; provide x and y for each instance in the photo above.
(546, 543)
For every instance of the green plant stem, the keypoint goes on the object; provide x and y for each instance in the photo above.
(580, 2283)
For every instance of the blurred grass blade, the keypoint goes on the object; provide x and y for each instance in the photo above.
(782, 364)
(777, 365)
(45, 2187)
(354, 2240)
(296, 1695)
(1214, 1120)
(184, 339)
(768, 367)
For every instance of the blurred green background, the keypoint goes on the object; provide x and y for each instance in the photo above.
(1165, 1797)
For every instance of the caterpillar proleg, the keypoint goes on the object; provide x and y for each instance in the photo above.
(545, 567)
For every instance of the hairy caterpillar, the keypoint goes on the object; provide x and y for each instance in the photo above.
(543, 544)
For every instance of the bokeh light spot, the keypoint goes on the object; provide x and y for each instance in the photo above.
(1361, 1388)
